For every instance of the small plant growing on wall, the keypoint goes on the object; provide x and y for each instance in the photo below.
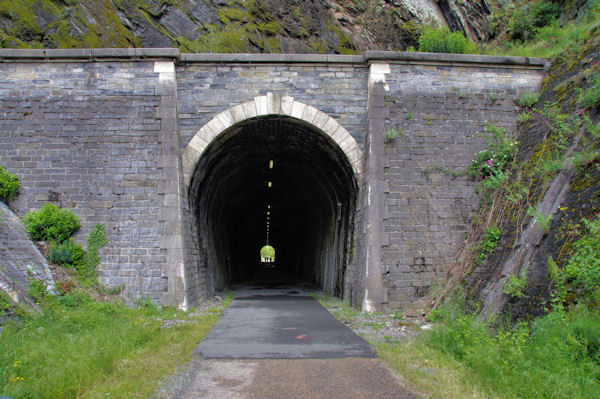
(515, 286)
(390, 134)
(9, 185)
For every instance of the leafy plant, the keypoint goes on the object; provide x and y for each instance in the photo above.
(68, 254)
(5, 303)
(527, 20)
(488, 245)
(515, 285)
(443, 41)
(493, 162)
(583, 268)
(390, 134)
(590, 97)
(96, 240)
(37, 290)
(528, 98)
(9, 185)
(51, 223)
(408, 116)
(543, 221)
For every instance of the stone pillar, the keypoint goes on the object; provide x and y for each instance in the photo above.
(375, 298)
(171, 241)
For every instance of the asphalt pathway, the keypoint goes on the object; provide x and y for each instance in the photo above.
(277, 342)
(280, 323)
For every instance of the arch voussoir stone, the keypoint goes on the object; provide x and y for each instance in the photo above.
(270, 104)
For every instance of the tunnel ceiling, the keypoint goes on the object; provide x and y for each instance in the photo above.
(311, 200)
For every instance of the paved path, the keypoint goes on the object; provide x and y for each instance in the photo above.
(280, 323)
(279, 343)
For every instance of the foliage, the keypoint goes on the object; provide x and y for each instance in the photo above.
(583, 268)
(83, 348)
(390, 134)
(9, 185)
(37, 290)
(493, 162)
(5, 302)
(443, 41)
(515, 285)
(524, 116)
(51, 223)
(527, 20)
(268, 251)
(542, 220)
(96, 240)
(488, 245)
(528, 98)
(67, 254)
(590, 97)
(465, 358)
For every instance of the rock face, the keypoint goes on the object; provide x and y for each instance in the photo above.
(257, 26)
(20, 260)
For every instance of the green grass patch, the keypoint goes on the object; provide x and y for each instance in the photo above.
(83, 348)
(556, 356)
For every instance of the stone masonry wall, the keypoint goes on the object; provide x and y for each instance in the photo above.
(101, 131)
(206, 89)
(438, 110)
(86, 136)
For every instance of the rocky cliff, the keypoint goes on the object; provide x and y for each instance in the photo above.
(288, 26)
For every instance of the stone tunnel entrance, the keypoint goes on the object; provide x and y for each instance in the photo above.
(281, 174)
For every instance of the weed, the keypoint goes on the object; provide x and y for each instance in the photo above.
(408, 116)
(590, 97)
(541, 220)
(528, 98)
(9, 185)
(488, 245)
(390, 134)
(515, 285)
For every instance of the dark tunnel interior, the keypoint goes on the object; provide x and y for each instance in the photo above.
(281, 175)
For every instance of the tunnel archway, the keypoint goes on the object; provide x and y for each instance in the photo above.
(281, 170)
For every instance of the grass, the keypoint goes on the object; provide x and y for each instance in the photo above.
(95, 349)
(556, 356)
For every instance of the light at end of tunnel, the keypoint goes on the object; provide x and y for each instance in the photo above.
(271, 164)
(269, 184)
(268, 206)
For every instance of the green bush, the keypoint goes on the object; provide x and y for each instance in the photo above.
(526, 21)
(9, 185)
(51, 223)
(68, 254)
(443, 41)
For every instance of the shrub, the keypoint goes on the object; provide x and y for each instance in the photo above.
(68, 254)
(526, 21)
(9, 185)
(515, 285)
(51, 223)
(443, 41)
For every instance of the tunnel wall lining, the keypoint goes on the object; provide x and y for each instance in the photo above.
(86, 129)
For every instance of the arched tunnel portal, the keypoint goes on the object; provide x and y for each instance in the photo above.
(282, 175)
